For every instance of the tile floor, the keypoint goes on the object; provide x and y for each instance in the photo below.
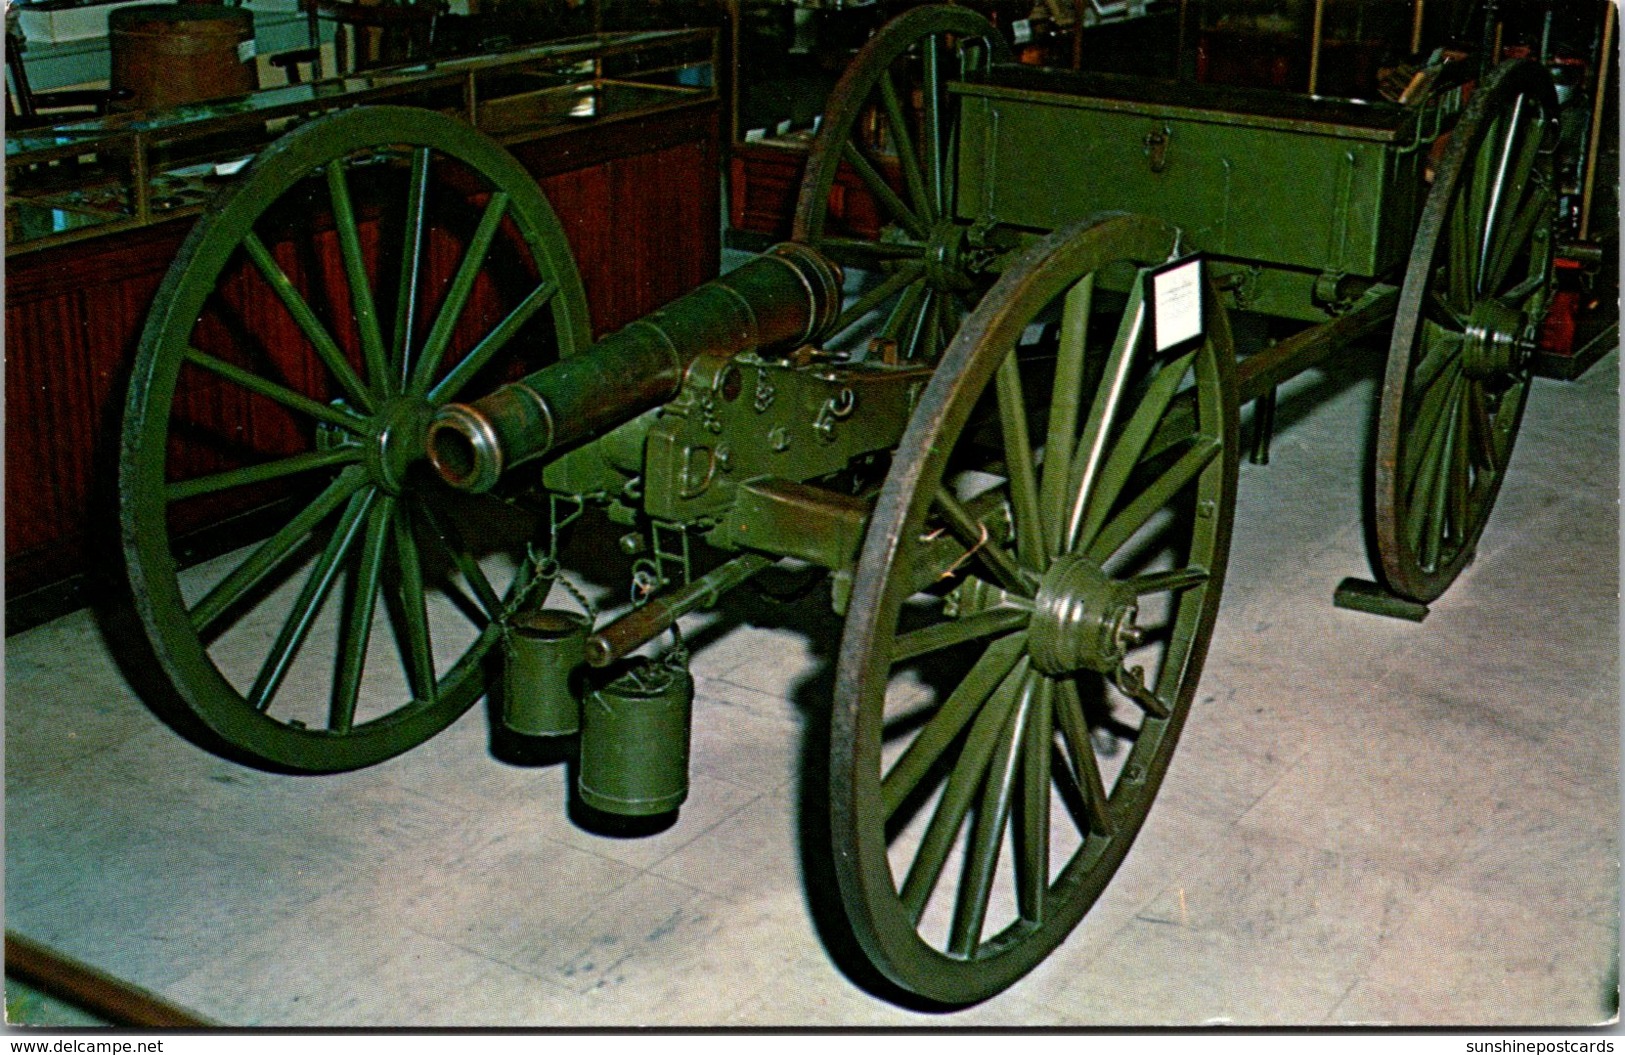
(1368, 821)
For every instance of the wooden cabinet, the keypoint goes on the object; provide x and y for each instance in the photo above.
(72, 319)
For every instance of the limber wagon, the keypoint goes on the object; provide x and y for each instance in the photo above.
(1014, 450)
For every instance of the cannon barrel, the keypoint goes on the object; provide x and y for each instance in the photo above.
(784, 298)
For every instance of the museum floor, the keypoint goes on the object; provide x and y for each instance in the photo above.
(1368, 821)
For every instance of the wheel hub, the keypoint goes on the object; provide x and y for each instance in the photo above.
(1082, 619)
(945, 257)
(1495, 342)
(401, 440)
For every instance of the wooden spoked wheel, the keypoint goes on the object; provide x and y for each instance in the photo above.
(893, 126)
(1030, 615)
(368, 268)
(1476, 290)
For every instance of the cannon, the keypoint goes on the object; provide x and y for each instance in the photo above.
(1014, 451)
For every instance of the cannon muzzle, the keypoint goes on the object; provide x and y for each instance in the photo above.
(782, 299)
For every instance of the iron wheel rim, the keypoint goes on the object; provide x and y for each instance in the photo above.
(929, 283)
(353, 139)
(884, 925)
(1445, 437)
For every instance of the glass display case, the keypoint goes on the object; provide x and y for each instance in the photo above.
(124, 171)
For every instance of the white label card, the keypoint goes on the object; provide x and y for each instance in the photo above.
(1176, 304)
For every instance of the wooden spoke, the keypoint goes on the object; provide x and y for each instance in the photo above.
(1514, 169)
(987, 834)
(1438, 494)
(317, 586)
(1459, 252)
(1154, 497)
(888, 199)
(1430, 465)
(917, 330)
(410, 281)
(1032, 843)
(979, 540)
(1485, 454)
(1018, 462)
(1476, 201)
(492, 343)
(905, 274)
(960, 792)
(1444, 355)
(1440, 313)
(451, 541)
(1459, 484)
(934, 125)
(871, 254)
(1131, 445)
(1091, 452)
(462, 284)
(1168, 581)
(1516, 238)
(963, 704)
(1519, 295)
(417, 648)
(321, 340)
(1065, 404)
(355, 269)
(898, 328)
(358, 620)
(1081, 753)
(263, 472)
(939, 636)
(1430, 418)
(949, 316)
(274, 550)
(339, 416)
(903, 139)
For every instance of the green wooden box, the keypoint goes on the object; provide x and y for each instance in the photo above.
(1315, 184)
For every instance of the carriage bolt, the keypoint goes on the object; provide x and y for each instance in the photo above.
(1130, 636)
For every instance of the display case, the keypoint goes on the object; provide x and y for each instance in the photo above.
(126, 171)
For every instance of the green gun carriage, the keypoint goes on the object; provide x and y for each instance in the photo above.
(1014, 450)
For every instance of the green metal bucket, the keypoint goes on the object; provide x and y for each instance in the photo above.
(634, 742)
(545, 672)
